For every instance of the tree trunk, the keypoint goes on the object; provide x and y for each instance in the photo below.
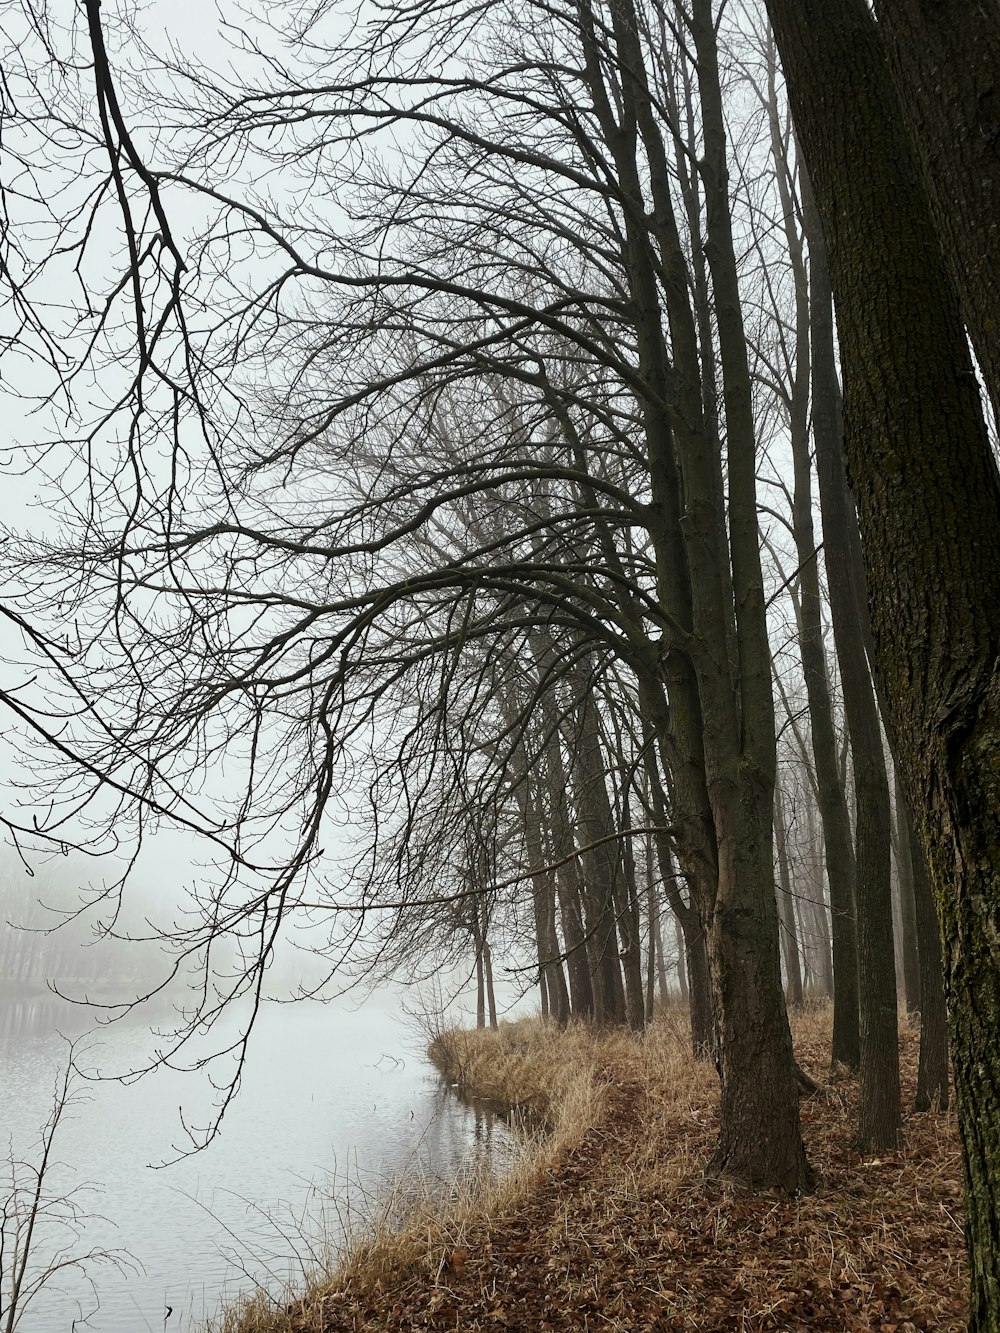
(719, 734)
(654, 954)
(841, 870)
(821, 918)
(697, 985)
(682, 976)
(907, 903)
(568, 886)
(602, 863)
(929, 503)
(480, 987)
(760, 1139)
(491, 1001)
(627, 911)
(760, 1143)
(932, 1073)
(551, 981)
(700, 997)
(789, 938)
(553, 975)
(944, 59)
(880, 1121)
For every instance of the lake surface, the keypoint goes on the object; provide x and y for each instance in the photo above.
(335, 1104)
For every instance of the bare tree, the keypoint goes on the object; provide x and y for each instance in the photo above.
(505, 214)
(42, 1221)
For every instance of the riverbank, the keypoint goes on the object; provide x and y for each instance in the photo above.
(605, 1221)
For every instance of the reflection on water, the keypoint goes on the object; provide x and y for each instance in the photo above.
(24, 1015)
(335, 1106)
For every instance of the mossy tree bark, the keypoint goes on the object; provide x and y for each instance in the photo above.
(929, 503)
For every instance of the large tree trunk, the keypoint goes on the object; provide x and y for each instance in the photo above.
(720, 748)
(929, 503)
(945, 60)
(760, 1141)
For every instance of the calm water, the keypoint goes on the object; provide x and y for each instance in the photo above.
(334, 1105)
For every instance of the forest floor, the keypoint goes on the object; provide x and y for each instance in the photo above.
(607, 1223)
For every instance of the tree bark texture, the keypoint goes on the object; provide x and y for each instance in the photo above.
(907, 903)
(760, 1139)
(945, 59)
(932, 1072)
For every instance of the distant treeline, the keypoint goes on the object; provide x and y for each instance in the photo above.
(43, 944)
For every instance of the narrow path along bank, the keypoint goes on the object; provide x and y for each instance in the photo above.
(610, 1225)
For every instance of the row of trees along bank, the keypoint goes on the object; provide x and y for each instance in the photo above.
(478, 477)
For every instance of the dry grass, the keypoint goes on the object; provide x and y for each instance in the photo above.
(549, 1078)
(550, 1083)
(608, 1222)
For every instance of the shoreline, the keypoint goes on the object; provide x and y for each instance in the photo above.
(605, 1219)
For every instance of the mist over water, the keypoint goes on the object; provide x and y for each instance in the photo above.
(335, 1103)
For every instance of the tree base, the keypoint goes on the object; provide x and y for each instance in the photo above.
(792, 1176)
